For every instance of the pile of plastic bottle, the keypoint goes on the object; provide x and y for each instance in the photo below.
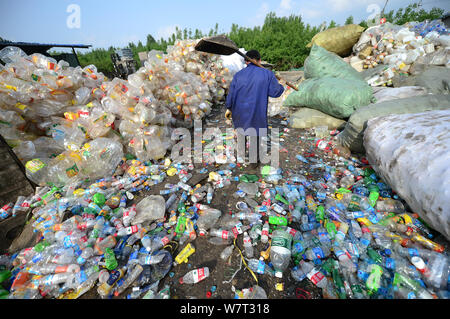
(51, 112)
(398, 47)
(332, 222)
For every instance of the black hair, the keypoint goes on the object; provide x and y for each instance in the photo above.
(254, 54)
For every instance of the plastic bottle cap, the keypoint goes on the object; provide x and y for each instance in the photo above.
(278, 274)
(181, 280)
(418, 262)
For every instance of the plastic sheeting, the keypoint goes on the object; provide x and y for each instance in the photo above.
(411, 152)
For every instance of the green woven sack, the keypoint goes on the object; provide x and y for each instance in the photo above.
(339, 40)
(333, 96)
(322, 63)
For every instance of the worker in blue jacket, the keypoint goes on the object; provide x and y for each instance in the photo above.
(248, 98)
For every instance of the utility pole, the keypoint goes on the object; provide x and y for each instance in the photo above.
(382, 11)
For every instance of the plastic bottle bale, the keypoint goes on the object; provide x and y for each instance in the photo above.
(307, 118)
(322, 63)
(411, 153)
(383, 94)
(339, 40)
(436, 79)
(352, 135)
(336, 97)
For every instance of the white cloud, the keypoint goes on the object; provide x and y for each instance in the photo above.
(285, 4)
(347, 5)
(285, 8)
(310, 13)
(261, 13)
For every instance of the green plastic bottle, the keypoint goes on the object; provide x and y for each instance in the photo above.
(320, 213)
(281, 199)
(278, 220)
(99, 199)
(110, 259)
(331, 229)
(373, 195)
(339, 283)
(374, 255)
(373, 281)
(4, 275)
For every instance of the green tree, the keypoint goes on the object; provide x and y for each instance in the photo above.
(349, 20)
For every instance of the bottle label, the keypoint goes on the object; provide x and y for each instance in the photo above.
(199, 274)
(280, 242)
(338, 252)
(34, 165)
(298, 247)
(318, 252)
(364, 241)
(316, 277)
(390, 263)
(237, 229)
(413, 252)
(354, 203)
(261, 267)
(411, 295)
(165, 240)
(353, 250)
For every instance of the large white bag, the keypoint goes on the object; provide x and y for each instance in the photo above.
(411, 152)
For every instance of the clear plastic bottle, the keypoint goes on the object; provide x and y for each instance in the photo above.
(150, 259)
(265, 232)
(104, 290)
(259, 266)
(280, 251)
(315, 276)
(344, 257)
(207, 219)
(195, 276)
(300, 271)
(108, 242)
(438, 272)
(248, 247)
(226, 253)
(317, 252)
(128, 279)
(221, 233)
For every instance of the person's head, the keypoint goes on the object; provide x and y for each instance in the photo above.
(253, 54)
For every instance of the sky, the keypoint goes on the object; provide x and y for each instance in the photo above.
(104, 23)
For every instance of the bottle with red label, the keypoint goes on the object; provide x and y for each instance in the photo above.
(195, 276)
(315, 275)
(265, 232)
(222, 233)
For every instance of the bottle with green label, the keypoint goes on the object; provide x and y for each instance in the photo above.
(99, 199)
(280, 251)
(110, 259)
(320, 213)
(331, 228)
(373, 194)
(374, 255)
(281, 199)
(374, 279)
(278, 220)
(339, 284)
